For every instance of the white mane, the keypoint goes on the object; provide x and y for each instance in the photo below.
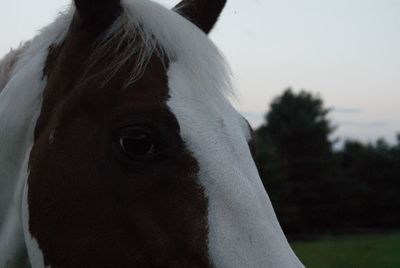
(8, 62)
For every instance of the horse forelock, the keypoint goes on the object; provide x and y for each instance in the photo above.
(145, 28)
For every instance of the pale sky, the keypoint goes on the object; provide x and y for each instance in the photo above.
(347, 51)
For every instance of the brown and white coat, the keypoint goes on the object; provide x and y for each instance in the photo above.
(119, 148)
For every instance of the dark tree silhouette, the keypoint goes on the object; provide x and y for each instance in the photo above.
(373, 173)
(295, 161)
(316, 190)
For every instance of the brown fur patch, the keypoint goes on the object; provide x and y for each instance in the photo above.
(90, 206)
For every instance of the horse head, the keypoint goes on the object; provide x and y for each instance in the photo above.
(138, 158)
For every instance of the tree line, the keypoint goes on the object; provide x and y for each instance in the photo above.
(316, 189)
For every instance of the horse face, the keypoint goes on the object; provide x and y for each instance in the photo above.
(111, 181)
(154, 173)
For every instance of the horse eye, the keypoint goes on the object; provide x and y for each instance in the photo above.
(138, 145)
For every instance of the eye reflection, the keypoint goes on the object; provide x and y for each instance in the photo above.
(138, 145)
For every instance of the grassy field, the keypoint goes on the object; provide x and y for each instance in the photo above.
(370, 251)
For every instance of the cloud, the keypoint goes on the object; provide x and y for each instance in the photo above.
(371, 124)
(347, 110)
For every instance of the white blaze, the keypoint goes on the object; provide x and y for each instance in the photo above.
(244, 231)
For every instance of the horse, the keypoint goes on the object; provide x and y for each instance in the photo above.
(119, 146)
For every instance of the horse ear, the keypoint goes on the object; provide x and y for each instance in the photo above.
(203, 13)
(97, 15)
